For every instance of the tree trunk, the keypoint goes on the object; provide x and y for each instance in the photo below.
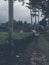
(10, 34)
(10, 31)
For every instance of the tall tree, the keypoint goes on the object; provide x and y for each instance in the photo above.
(34, 7)
(10, 31)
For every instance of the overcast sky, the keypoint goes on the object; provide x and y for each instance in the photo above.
(20, 12)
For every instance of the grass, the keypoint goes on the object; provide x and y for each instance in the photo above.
(3, 37)
(19, 36)
(43, 43)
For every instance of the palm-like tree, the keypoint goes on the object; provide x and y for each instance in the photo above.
(33, 5)
(37, 4)
(31, 12)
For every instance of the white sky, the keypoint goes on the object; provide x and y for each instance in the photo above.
(20, 12)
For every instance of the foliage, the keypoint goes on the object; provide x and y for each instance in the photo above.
(20, 45)
(44, 45)
(40, 4)
(4, 36)
(23, 44)
(17, 26)
(45, 8)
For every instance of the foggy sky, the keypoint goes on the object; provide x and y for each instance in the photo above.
(20, 12)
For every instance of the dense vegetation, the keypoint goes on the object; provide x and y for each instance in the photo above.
(17, 26)
(17, 36)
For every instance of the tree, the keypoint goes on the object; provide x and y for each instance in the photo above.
(34, 6)
(10, 29)
(45, 8)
